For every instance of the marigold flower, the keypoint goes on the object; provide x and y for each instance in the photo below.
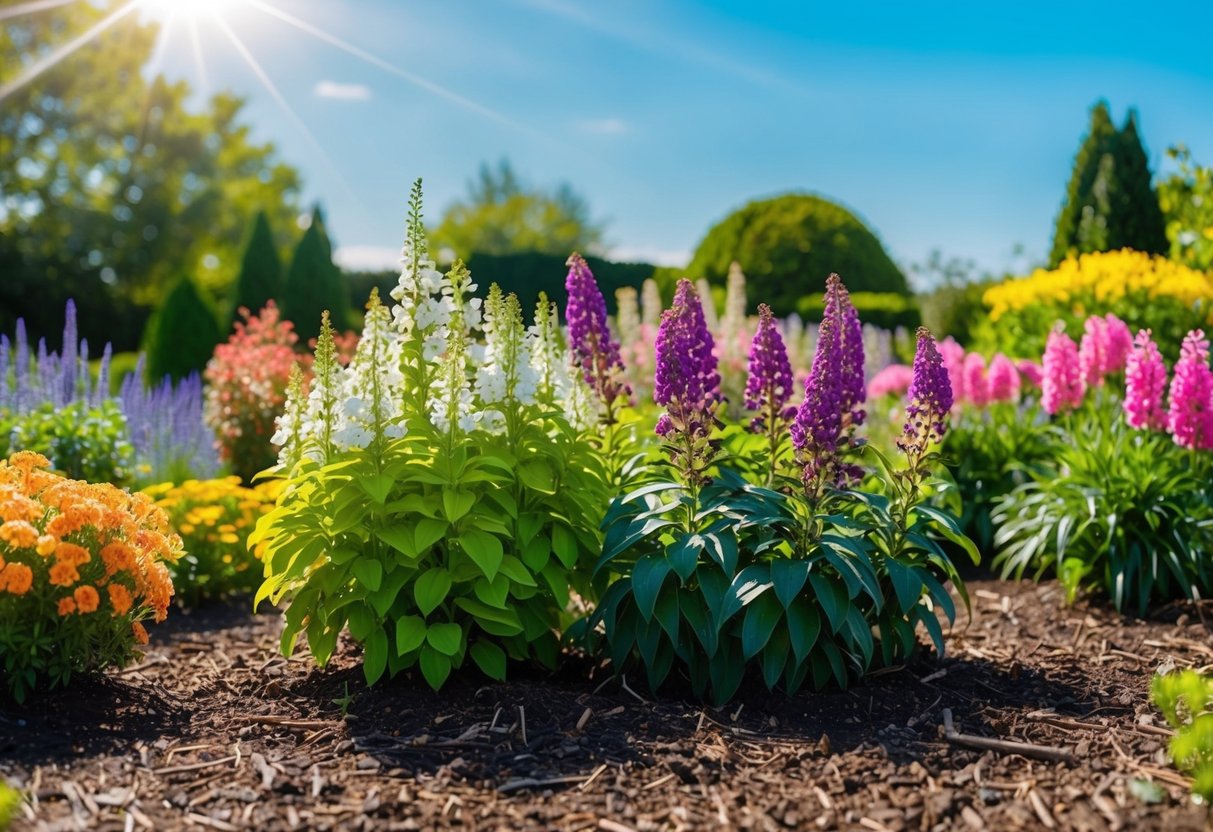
(117, 557)
(19, 534)
(120, 598)
(71, 553)
(64, 574)
(67, 606)
(47, 544)
(87, 598)
(139, 632)
(17, 578)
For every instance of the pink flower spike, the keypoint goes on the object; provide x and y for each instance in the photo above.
(953, 355)
(1119, 343)
(1190, 418)
(1145, 381)
(1030, 371)
(1003, 379)
(1093, 353)
(976, 387)
(1062, 387)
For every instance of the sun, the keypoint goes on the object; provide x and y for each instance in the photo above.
(189, 9)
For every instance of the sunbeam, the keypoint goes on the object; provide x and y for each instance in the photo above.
(30, 8)
(416, 80)
(204, 86)
(161, 48)
(66, 49)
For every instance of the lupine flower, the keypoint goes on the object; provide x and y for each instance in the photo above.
(1003, 379)
(627, 316)
(1062, 387)
(930, 398)
(1190, 417)
(593, 347)
(854, 378)
(893, 380)
(1145, 381)
(769, 384)
(1119, 344)
(976, 385)
(1030, 371)
(1093, 351)
(686, 382)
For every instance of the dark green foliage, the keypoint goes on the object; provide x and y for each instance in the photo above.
(314, 284)
(81, 442)
(1110, 202)
(260, 278)
(787, 246)
(883, 309)
(528, 273)
(182, 335)
(1123, 511)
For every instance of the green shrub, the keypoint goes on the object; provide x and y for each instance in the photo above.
(530, 273)
(956, 311)
(182, 335)
(260, 278)
(313, 284)
(84, 442)
(1127, 512)
(1186, 701)
(789, 244)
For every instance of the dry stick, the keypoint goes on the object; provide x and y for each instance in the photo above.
(522, 723)
(1040, 752)
(287, 722)
(194, 766)
(585, 717)
(529, 783)
(586, 783)
(611, 826)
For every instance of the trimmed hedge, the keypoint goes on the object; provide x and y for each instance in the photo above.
(886, 310)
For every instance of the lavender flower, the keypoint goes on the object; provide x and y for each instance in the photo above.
(594, 350)
(171, 440)
(687, 383)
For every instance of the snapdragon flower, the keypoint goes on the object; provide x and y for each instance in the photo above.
(1062, 387)
(976, 384)
(1093, 351)
(769, 383)
(1003, 379)
(1145, 384)
(1190, 417)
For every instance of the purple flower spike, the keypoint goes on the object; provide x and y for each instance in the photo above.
(686, 382)
(594, 350)
(930, 397)
(769, 385)
(854, 379)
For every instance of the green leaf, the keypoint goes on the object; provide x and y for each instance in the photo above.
(499, 622)
(494, 592)
(428, 532)
(484, 549)
(749, 584)
(378, 486)
(947, 526)
(761, 616)
(431, 589)
(445, 638)
(789, 576)
(457, 502)
(410, 633)
(666, 612)
(369, 572)
(490, 659)
(435, 667)
(647, 577)
(393, 581)
(564, 544)
(906, 584)
(683, 555)
(360, 620)
(399, 538)
(517, 572)
(775, 657)
(537, 552)
(804, 626)
(831, 598)
(374, 656)
(537, 475)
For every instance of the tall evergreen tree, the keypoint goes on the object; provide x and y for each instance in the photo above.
(1110, 202)
(182, 334)
(314, 283)
(260, 278)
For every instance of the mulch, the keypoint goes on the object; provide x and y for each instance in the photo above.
(1038, 718)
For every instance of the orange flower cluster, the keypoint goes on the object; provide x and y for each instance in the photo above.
(81, 545)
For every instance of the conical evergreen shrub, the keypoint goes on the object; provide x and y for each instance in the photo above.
(314, 284)
(182, 335)
(260, 278)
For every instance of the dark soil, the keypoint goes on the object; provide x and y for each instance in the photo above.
(215, 730)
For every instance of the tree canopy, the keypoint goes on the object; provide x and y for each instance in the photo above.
(113, 185)
(502, 215)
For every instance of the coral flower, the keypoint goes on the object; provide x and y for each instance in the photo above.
(87, 598)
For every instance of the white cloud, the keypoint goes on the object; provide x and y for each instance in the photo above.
(367, 258)
(604, 126)
(650, 254)
(343, 92)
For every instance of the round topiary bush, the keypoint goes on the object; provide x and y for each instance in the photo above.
(789, 244)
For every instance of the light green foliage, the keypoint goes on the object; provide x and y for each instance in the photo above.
(10, 804)
(183, 334)
(1186, 701)
(1187, 202)
(787, 246)
(83, 442)
(734, 578)
(442, 522)
(1110, 202)
(114, 175)
(1123, 511)
(501, 215)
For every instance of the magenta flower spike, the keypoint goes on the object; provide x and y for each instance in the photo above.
(976, 385)
(930, 399)
(1145, 383)
(1003, 378)
(769, 385)
(1119, 344)
(1093, 351)
(594, 349)
(1190, 417)
(1062, 387)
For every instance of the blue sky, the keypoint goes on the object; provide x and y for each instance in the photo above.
(944, 125)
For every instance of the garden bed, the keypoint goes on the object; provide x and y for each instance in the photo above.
(216, 730)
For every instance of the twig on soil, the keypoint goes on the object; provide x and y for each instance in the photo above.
(623, 680)
(611, 826)
(290, 722)
(594, 776)
(530, 783)
(1041, 810)
(585, 717)
(1039, 752)
(193, 766)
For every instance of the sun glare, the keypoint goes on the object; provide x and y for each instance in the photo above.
(189, 9)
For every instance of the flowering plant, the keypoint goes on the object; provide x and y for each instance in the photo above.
(713, 574)
(82, 566)
(440, 497)
(214, 519)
